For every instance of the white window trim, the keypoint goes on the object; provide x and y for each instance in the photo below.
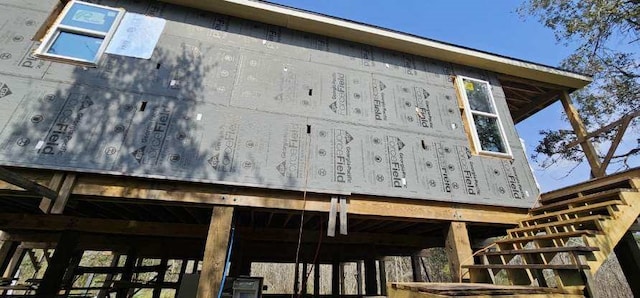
(471, 123)
(56, 28)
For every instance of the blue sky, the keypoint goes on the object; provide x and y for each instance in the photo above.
(492, 26)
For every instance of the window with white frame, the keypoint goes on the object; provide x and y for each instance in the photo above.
(81, 33)
(482, 118)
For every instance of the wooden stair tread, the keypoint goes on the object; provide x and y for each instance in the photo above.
(585, 208)
(550, 236)
(541, 250)
(618, 180)
(562, 223)
(579, 200)
(528, 266)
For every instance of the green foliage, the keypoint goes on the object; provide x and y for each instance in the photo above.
(606, 33)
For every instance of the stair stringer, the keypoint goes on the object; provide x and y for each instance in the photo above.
(614, 229)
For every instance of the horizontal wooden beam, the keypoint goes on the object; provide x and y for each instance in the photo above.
(26, 184)
(56, 223)
(116, 189)
(38, 222)
(207, 194)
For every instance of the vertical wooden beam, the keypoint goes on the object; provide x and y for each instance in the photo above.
(52, 279)
(7, 250)
(127, 273)
(581, 133)
(63, 194)
(458, 248)
(628, 255)
(14, 262)
(304, 279)
(215, 252)
(316, 279)
(157, 289)
(109, 277)
(416, 268)
(296, 279)
(54, 184)
(342, 285)
(67, 279)
(370, 278)
(383, 277)
(237, 259)
(359, 277)
(335, 279)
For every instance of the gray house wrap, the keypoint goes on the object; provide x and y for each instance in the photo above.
(231, 101)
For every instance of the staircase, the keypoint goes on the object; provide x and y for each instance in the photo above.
(564, 241)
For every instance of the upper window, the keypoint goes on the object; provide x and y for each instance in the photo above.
(81, 33)
(481, 117)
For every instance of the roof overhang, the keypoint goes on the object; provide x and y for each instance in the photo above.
(393, 40)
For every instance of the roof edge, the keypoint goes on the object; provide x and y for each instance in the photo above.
(338, 28)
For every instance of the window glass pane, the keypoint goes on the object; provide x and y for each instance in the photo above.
(90, 17)
(478, 94)
(76, 46)
(489, 133)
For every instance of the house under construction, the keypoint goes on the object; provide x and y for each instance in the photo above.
(220, 133)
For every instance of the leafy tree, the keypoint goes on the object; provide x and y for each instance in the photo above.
(606, 33)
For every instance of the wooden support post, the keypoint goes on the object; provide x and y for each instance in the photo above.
(107, 280)
(416, 269)
(215, 252)
(14, 262)
(52, 279)
(183, 271)
(63, 195)
(296, 279)
(127, 274)
(54, 184)
(359, 278)
(316, 279)
(342, 285)
(581, 132)
(304, 279)
(7, 250)
(157, 289)
(458, 250)
(335, 279)
(383, 277)
(237, 259)
(370, 278)
(628, 255)
(67, 279)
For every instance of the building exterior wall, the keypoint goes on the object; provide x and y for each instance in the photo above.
(231, 101)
